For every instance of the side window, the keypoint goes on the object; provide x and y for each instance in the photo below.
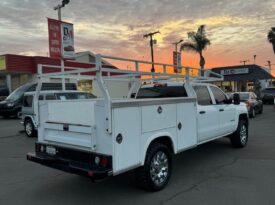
(203, 95)
(218, 94)
(27, 101)
(162, 91)
(50, 97)
(40, 97)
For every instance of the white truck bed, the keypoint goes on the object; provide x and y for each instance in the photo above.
(81, 125)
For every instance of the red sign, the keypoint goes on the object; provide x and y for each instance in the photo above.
(61, 39)
(54, 27)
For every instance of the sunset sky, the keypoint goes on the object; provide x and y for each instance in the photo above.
(237, 29)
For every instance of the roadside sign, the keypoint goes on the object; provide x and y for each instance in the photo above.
(67, 34)
(177, 61)
(61, 39)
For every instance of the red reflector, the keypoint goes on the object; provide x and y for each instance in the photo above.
(104, 162)
(90, 173)
(37, 147)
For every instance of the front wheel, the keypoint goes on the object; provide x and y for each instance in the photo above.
(156, 172)
(240, 137)
(29, 128)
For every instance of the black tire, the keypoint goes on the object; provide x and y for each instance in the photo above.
(29, 128)
(240, 137)
(253, 113)
(145, 174)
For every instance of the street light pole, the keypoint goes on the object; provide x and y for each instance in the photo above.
(150, 35)
(58, 8)
(176, 44)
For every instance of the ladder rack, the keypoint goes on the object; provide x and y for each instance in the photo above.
(102, 73)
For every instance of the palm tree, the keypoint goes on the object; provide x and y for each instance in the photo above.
(271, 38)
(198, 42)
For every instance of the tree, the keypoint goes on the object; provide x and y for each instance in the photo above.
(271, 37)
(197, 43)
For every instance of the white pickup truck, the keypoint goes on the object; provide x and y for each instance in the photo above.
(168, 114)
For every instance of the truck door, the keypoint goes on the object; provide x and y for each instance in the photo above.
(208, 117)
(226, 111)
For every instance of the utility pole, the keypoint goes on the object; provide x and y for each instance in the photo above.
(176, 44)
(269, 64)
(152, 42)
(254, 59)
(244, 61)
(58, 8)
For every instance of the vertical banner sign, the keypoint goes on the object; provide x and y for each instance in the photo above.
(54, 38)
(61, 39)
(177, 61)
(67, 34)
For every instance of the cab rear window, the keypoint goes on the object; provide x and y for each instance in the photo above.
(162, 92)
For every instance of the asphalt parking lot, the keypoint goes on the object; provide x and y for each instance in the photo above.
(213, 173)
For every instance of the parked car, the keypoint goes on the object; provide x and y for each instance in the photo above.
(12, 105)
(253, 103)
(28, 113)
(4, 92)
(268, 95)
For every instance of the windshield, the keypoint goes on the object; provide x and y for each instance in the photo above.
(244, 96)
(18, 93)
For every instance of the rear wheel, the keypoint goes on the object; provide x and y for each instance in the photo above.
(29, 128)
(240, 137)
(156, 172)
(253, 113)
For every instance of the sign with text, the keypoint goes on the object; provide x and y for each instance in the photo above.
(2, 63)
(61, 39)
(67, 34)
(177, 61)
(235, 71)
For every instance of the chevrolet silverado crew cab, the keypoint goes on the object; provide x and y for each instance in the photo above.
(169, 113)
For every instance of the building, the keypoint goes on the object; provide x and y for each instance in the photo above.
(16, 70)
(244, 78)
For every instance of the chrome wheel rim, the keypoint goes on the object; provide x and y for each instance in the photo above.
(159, 168)
(243, 134)
(28, 128)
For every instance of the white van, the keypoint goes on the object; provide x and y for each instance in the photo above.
(28, 120)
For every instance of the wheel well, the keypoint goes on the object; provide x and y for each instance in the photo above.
(27, 118)
(166, 141)
(244, 118)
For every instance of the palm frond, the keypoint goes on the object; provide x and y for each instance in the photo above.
(188, 46)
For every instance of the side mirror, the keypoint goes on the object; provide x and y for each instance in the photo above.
(236, 99)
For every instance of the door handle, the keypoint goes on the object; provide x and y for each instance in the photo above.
(221, 110)
(202, 112)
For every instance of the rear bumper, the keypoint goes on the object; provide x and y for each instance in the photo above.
(74, 166)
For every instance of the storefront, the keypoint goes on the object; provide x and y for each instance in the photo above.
(16, 70)
(244, 78)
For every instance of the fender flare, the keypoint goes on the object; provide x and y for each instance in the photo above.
(154, 137)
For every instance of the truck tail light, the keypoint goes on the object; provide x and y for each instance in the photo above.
(37, 147)
(104, 162)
